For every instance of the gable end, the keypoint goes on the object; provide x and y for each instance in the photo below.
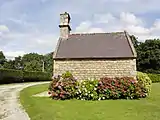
(131, 44)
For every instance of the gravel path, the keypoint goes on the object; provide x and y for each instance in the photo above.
(10, 109)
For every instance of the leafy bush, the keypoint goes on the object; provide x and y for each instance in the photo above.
(66, 87)
(154, 77)
(63, 87)
(145, 81)
(87, 90)
(120, 88)
(15, 76)
(67, 74)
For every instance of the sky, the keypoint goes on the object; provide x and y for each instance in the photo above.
(28, 26)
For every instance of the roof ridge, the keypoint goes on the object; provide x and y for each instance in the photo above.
(95, 33)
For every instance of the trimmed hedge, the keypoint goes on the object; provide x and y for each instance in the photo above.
(36, 76)
(154, 77)
(17, 76)
(10, 76)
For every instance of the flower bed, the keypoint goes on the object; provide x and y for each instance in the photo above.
(67, 87)
(120, 88)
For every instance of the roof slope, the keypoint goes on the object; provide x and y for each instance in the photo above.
(95, 45)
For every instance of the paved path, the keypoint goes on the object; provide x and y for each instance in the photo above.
(10, 109)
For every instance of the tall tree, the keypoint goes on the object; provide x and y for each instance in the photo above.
(48, 62)
(32, 62)
(2, 59)
(135, 41)
(10, 64)
(34, 65)
(18, 63)
(148, 56)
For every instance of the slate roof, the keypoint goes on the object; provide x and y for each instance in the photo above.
(95, 45)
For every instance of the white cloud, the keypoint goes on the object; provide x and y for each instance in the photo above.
(129, 18)
(84, 26)
(12, 54)
(12, 36)
(104, 18)
(137, 30)
(4, 28)
(42, 42)
(126, 21)
(156, 25)
(21, 43)
(95, 30)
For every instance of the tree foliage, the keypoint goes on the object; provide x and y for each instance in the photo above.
(48, 60)
(148, 55)
(10, 64)
(18, 64)
(135, 41)
(31, 62)
(2, 59)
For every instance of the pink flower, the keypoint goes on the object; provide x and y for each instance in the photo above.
(75, 78)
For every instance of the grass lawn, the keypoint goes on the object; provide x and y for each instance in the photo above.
(47, 109)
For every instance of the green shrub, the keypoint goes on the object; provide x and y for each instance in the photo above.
(145, 81)
(87, 90)
(120, 88)
(67, 74)
(63, 87)
(15, 76)
(154, 77)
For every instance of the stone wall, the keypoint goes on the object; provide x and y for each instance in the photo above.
(84, 69)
